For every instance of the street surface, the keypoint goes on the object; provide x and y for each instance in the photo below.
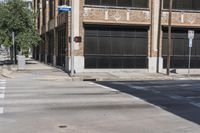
(181, 98)
(34, 103)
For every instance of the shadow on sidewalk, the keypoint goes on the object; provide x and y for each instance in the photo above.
(171, 96)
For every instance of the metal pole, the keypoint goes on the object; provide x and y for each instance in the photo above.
(13, 41)
(72, 37)
(190, 49)
(159, 32)
(169, 37)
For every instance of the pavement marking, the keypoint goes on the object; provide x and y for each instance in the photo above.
(2, 88)
(2, 96)
(1, 110)
(195, 104)
(157, 92)
(193, 97)
(175, 97)
(102, 86)
(2, 80)
(137, 87)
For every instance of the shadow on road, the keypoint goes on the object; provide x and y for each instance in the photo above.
(181, 98)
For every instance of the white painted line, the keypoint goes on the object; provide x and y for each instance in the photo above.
(2, 80)
(193, 97)
(175, 97)
(157, 92)
(1, 110)
(195, 104)
(2, 88)
(137, 87)
(102, 86)
(2, 96)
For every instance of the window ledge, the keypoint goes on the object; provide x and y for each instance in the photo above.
(116, 7)
(179, 10)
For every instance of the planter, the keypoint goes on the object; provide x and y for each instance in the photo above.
(21, 62)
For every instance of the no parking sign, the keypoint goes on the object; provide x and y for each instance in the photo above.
(190, 37)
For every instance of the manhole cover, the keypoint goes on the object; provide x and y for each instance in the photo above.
(62, 126)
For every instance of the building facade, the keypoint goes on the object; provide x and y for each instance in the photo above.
(117, 34)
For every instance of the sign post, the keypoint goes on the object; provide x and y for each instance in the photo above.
(190, 37)
(13, 41)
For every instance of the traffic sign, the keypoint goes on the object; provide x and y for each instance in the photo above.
(190, 43)
(190, 37)
(64, 8)
(190, 34)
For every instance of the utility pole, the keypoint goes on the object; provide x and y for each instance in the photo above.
(169, 37)
(159, 29)
(72, 37)
(13, 41)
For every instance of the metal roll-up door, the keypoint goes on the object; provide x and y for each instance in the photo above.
(180, 48)
(115, 47)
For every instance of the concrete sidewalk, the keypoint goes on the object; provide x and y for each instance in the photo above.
(43, 71)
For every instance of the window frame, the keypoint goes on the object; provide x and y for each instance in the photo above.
(118, 6)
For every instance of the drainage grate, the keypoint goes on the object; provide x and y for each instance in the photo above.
(89, 79)
(62, 126)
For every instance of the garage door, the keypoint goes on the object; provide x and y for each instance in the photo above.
(180, 49)
(115, 47)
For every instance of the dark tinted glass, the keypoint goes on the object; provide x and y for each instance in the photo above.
(126, 3)
(196, 4)
(140, 3)
(92, 2)
(108, 2)
(183, 4)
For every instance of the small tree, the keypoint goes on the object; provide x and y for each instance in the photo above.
(17, 18)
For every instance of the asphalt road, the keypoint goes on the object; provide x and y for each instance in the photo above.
(181, 98)
(33, 102)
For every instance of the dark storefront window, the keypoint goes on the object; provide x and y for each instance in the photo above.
(51, 9)
(123, 3)
(44, 11)
(180, 49)
(63, 2)
(183, 4)
(50, 48)
(114, 47)
(61, 47)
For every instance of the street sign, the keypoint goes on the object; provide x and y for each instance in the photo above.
(190, 37)
(190, 43)
(64, 8)
(190, 34)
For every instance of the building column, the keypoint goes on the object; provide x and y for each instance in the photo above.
(41, 16)
(40, 52)
(46, 47)
(55, 55)
(78, 50)
(155, 57)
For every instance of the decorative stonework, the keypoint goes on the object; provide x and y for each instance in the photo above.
(182, 18)
(116, 15)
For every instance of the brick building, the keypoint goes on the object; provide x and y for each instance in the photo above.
(117, 34)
